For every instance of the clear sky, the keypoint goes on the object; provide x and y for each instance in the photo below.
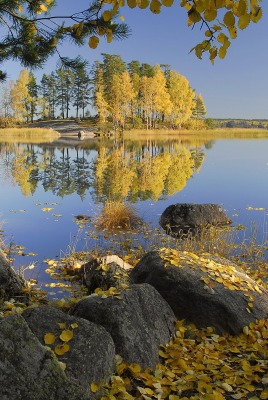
(236, 87)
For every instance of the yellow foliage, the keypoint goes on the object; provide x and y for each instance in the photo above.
(66, 335)
(49, 338)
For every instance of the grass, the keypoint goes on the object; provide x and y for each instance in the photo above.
(31, 135)
(117, 215)
(207, 133)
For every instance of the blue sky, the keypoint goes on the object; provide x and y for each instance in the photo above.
(236, 87)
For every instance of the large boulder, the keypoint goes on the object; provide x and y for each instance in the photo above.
(29, 370)
(178, 219)
(138, 319)
(91, 354)
(11, 284)
(203, 289)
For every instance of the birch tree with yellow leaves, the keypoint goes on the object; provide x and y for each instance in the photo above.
(182, 99)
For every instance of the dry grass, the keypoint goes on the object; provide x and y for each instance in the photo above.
(117, 215)
(37, 135)
(241, 133)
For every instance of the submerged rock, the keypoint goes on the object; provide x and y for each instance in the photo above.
(178, 219)
(202, 289)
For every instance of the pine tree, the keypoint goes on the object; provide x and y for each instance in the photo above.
(199, 110)
(32, 102)
(81, 90)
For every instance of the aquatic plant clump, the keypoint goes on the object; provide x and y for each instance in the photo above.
(117, 215)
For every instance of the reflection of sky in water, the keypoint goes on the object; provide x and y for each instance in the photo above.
(234, 175)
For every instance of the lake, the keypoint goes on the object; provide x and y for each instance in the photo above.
(45, 186)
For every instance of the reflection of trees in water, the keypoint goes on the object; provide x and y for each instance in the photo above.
(142, 172)
(59, 173)
(135, 171)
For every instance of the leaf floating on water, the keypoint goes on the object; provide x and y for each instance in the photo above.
(46, 209)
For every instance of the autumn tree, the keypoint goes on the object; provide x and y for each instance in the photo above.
(20, 96)
(182, 98)
(161, 100)
(98, 99)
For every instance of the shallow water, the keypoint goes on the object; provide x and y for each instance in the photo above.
(44, 186)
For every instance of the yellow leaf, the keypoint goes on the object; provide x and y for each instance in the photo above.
(256, 14)
(155, 6)
(243, 22)
(210, 14)
(107, 15)
(167, 3)
(43, 7)
(122, 18)
(49, 338)
(94, 387)
(60, 349)
(74, 325)
(93, 42)
(132, 3)
(194, 16)
(182, 364)
(62, 325)
(229, 19)
(227, 387)
(20, 9)
(233, 35)
(143, 4)
(66, 335)
(264, 394)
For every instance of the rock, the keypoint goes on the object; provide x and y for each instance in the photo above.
(11, 284)
(91, 356)
(29, 370)
(203, 290)
(182, 218)
(82, 217)
(104, 273)
(138, 319)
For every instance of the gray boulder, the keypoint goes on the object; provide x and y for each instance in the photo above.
(29, 370)
(91, 357)
(11, 284)
(138, 319)
(178, 219)
(204, 290)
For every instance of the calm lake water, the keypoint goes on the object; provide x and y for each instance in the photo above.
(44, 186)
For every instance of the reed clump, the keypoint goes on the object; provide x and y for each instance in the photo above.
(117, 215)
(33, 135)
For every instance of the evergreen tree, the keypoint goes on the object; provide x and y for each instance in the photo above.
(199, 110)
(32, 102)
(64, 84)
(81, 90)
